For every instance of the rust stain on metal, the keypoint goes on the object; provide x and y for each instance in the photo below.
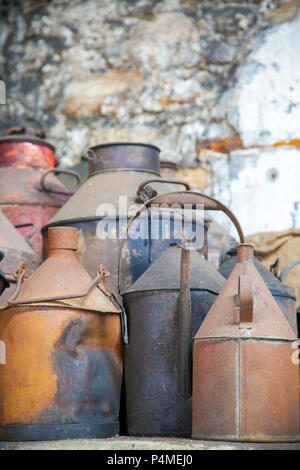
(265, 369)
(27, 382)
(64, 351)
(246, 328)
(214, 365)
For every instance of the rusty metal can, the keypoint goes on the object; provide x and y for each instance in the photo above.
(155, 405)
(64, 361)
(165, 307)
(121, 177)
(30, 192)
(246, 381)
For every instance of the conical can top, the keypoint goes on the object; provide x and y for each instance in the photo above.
(61, 280)
(164, 274)
(245, 307)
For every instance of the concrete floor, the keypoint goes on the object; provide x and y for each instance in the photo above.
(126, 443)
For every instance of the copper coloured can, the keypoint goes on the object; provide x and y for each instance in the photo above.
(246, 372)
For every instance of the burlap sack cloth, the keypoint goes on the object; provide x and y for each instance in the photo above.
(283, 245)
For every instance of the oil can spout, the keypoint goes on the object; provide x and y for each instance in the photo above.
(62, 238)
(245, 252)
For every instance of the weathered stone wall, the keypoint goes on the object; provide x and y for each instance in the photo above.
(216, 84)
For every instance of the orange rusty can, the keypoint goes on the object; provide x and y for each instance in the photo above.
(246, 372)
(64, 361)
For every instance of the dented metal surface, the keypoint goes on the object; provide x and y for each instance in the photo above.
(67, 351)
(245, 383)
(24, 160)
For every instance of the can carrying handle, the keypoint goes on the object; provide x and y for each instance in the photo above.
(182, 197)
(145, 193)
(193, 198)
(246, 301)
(57, 171)
(30, 234)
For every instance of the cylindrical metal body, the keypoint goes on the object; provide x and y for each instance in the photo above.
(63, 372)
(284, 295)
(155, 405)
(62, 378)
(101, 208)
(246, 375)
(23, 162)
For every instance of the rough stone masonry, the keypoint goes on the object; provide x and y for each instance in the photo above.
(215, 84)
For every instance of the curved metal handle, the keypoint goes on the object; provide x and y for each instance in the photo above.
(246, 301)
(162, 180)
(58, 171)
(182, 198)
(193, 198)
(287, 269)
(30, 234)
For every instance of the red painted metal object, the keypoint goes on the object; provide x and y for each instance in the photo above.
(30, 191)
